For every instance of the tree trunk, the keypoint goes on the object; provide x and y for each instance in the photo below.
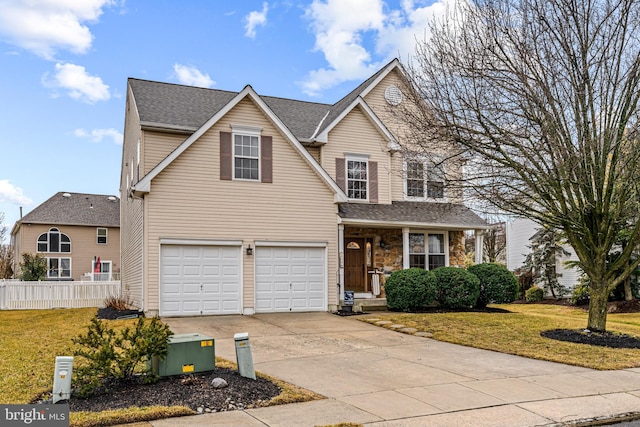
(598, 298)
(628, 295)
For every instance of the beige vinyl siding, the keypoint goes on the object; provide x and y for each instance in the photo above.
(132, 134)
(356, 134)
(315, 152)
(189, 201)
(84, 246)
(131, 274)
(157, 146)
(375, 99)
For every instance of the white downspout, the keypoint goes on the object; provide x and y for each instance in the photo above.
(479, 245)
(405, 248)
(341, 264)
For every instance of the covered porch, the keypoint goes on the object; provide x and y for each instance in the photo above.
(376, 240)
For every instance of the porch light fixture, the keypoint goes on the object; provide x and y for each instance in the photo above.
(249, 250)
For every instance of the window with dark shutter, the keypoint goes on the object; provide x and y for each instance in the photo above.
(225, 156)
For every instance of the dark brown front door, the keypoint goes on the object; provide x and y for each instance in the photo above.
(354, 266)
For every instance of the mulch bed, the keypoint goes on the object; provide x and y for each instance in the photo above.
(193, 391)
(603, 339)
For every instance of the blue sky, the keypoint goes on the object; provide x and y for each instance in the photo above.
(65, 63)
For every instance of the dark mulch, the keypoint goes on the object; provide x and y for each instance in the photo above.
(193, 391)
(110, 313)
(344, 313)
(603, 339)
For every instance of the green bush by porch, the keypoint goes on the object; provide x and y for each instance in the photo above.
(411, 289)
(498, 285)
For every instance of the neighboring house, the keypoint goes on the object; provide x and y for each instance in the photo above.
(520, 234)
(238, 203)
(78, 234)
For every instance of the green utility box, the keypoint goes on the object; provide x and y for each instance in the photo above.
(187, 353)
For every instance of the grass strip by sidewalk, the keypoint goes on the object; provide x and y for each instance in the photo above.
(518, 332)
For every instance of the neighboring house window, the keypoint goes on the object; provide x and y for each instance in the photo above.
(101, 271)
(425, 180)
(427, 250)
(58, 268)
(54, 241)
(357, 179)
(102, 236)
(246, 157)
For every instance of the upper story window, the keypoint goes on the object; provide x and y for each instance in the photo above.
(101, 237)
(357, 179)
(246, 157)
(425, 179)
(54, 241)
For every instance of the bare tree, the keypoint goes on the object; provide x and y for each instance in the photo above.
(6, 254)
(541, 99)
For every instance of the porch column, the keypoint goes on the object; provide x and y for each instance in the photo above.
(405, 248)
(479, 245)
(341, 264)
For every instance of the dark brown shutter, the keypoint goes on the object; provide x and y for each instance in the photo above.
(340, 178)
(266, 158)
(226, 157)
(373, 182)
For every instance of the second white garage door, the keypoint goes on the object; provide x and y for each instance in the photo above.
(290, 279)
(199, 280)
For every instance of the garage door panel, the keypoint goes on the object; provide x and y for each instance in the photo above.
(200, 280)
(290, 278)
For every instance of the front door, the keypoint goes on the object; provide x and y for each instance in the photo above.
(355, 274)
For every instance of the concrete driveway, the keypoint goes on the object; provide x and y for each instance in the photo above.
(378, 377)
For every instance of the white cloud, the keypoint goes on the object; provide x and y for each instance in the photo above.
(254, 19)
(188, 75)
(9, 193)
(343, 28)
(78, 84)
(97, 135)
(46, 26)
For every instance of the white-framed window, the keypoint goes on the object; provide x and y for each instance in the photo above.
(101, 236)
(54, 241)
(101, 270)
(428, 250)
(425, 180)
(246, 157)
(58, 268)
(357, 178)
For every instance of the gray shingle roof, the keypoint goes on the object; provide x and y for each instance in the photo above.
(429, 214)
(188, 108)
(77, 209)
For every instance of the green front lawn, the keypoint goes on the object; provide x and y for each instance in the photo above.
(518, 332)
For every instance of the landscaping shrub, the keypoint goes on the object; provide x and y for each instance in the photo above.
(580, 294)
(498, 285)
(408, 290)
(534, 294)
(107, 355)
(33, 267)
(456, 287)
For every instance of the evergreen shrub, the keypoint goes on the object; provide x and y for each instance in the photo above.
(456, 287)
(408, 290)
(498, 285)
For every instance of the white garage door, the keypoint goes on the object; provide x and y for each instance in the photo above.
(199, 280)
(290, 279)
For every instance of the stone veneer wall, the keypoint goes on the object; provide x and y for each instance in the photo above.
(388, 256)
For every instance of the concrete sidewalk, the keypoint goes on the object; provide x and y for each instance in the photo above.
(378, 377)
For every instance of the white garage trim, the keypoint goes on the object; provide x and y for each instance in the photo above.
(165, 241)
(290, 276)
(295, 244)
(199, 279)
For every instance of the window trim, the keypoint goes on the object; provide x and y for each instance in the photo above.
(70, 276)
(362, 159)
(106, 235)
(426, 253)
(47, 242)
(93, 273)
(426, 166)
(250, 131)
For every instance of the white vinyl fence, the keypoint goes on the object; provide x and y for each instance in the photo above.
(17, 295)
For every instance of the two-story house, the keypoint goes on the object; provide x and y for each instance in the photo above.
(78, 234)
(238, 203)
